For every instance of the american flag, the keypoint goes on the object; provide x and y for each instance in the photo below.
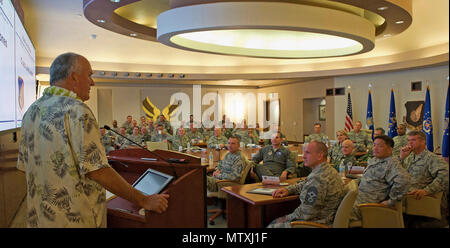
(349, 116)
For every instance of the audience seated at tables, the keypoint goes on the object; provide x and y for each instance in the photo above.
(143, 122)
(400, 140)
(180, 139)
(107, 140)
(114, 127)
(317, 135)
(161, 135)
(127, 123)
(348, 160)
(335, 152)
(218, 140)
(145, 135)
(251, 137)
(166, 124)
(384, 181)
(429, 175)
(134, 136)
(121, 142)
(361, 139)
(230, 167)
(276, 160)
(267, 136)
(320, 194)
(195, 134)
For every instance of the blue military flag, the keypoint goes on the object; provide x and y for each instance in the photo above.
(445, 137)
(392, 118)
(427, 127)
(369, 116)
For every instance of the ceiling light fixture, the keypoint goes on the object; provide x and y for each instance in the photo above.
(383, 8)
(266, 30)
(399, 22)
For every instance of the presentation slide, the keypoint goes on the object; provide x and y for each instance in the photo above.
(7, 68)
(25, 78)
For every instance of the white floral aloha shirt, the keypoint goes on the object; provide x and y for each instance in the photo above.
(59, 144)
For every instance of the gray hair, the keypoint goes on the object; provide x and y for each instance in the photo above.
(62, 66)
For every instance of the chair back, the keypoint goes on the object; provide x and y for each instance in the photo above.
(157, 145)
(342, 217)
(246, 166)
(428, 206)
(376, 216)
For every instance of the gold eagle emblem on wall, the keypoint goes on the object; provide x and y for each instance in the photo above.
(152, 112)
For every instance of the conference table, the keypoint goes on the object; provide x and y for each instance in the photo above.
(249, 210)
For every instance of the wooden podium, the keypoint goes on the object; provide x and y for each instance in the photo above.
(187, 202)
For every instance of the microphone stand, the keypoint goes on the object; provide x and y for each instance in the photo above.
(140, 146)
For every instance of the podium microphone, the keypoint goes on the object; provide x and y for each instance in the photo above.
(140, 146)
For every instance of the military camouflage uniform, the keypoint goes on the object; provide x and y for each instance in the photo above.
(121, 142)
(399, 142)
(146, 137)
(178, 141)
(228, 132)
(428, 172)
(197, 135)
(240, 132)
(249, 140)
(214, 140)
(166, 125)
(361, 139)
(127, 126)
(230, 169)
(274, 161)
(321, 137)
(349, 161)
(135, 138)
(207, 134)
(383, 179)
(161, 137)
(107, 142)
(335, 153)
(320, 196)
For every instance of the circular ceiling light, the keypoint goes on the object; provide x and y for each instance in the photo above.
(266, 30)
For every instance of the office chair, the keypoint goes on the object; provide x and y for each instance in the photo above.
(294, 156)
(341, 219)
(222, 196)
(428, 206)
(376, 215)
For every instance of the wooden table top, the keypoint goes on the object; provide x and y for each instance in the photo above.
(240, 191)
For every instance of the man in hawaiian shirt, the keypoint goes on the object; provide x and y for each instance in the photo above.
(62, 155)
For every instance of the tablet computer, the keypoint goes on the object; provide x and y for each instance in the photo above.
(152, 182)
